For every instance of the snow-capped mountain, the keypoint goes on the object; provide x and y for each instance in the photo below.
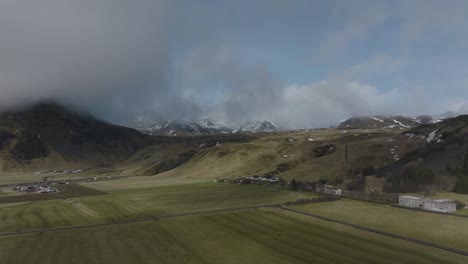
(258, 126)
(392, 122)
(196, 128)
(181, 127)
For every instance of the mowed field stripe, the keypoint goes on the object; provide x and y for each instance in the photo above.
(145, 219)
(251, 221)
(380, 232)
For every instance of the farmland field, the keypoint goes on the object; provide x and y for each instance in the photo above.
(253, 236)
(267, 235)
(122, 205)
(441, 229)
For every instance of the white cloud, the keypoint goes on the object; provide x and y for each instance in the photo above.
(325, 102)
(432, 20)
(356, 19)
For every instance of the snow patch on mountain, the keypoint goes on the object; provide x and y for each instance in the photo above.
(258, 126)
(400, 124)
(431, 136)
(181, 127)
(393, 122)
(376, 119)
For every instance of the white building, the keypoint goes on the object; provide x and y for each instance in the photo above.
(409, 201)
(328, 189)
(443, 206)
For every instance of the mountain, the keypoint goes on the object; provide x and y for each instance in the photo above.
(199, 128)
(50, 133)
(257, 126)
(392, 122)
(181, 127)
(48, 136)
(438, 161)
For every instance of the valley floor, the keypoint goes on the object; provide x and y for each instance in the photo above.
(221, 233)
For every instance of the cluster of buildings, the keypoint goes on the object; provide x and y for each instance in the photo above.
(59, 171)
(34, 188)
(252, 179)
(272, 179)
(442, 205)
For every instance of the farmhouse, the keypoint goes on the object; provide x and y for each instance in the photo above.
(328, 189)
(443, 206)
(409, 201)
(27, 188)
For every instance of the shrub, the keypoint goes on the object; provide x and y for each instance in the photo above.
(459, 204)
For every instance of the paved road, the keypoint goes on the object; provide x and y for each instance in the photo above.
(147, 219)
(380, 232)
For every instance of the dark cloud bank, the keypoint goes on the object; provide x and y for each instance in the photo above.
(119, 58)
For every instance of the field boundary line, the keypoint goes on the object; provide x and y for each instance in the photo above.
(377, 231)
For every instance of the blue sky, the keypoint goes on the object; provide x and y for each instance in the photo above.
(298, 63)
(409, 57)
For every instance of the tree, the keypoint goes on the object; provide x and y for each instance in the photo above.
(459, 204)
(294, 184)
(461, 185)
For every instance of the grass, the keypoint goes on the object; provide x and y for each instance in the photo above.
(255, 236)
(122, 205)
(440, 229)
(462, 212)
(245, 236)
(259, 156)
(141, 182)
(263, 155)
(453, 196)
(17, 178)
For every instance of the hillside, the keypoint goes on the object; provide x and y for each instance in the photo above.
(48, 137)
(427, 158)
(47, 134)
(439, 163)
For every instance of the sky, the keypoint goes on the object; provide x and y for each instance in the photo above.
(298, 63)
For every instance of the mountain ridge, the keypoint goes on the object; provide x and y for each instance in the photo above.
(201, 127)
(392, 121)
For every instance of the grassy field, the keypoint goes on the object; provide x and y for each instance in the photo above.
(16, 178)
(244, 236)
(122, 205)
(453, 196)
(255, 236)
(144, 182)
(440, 229)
